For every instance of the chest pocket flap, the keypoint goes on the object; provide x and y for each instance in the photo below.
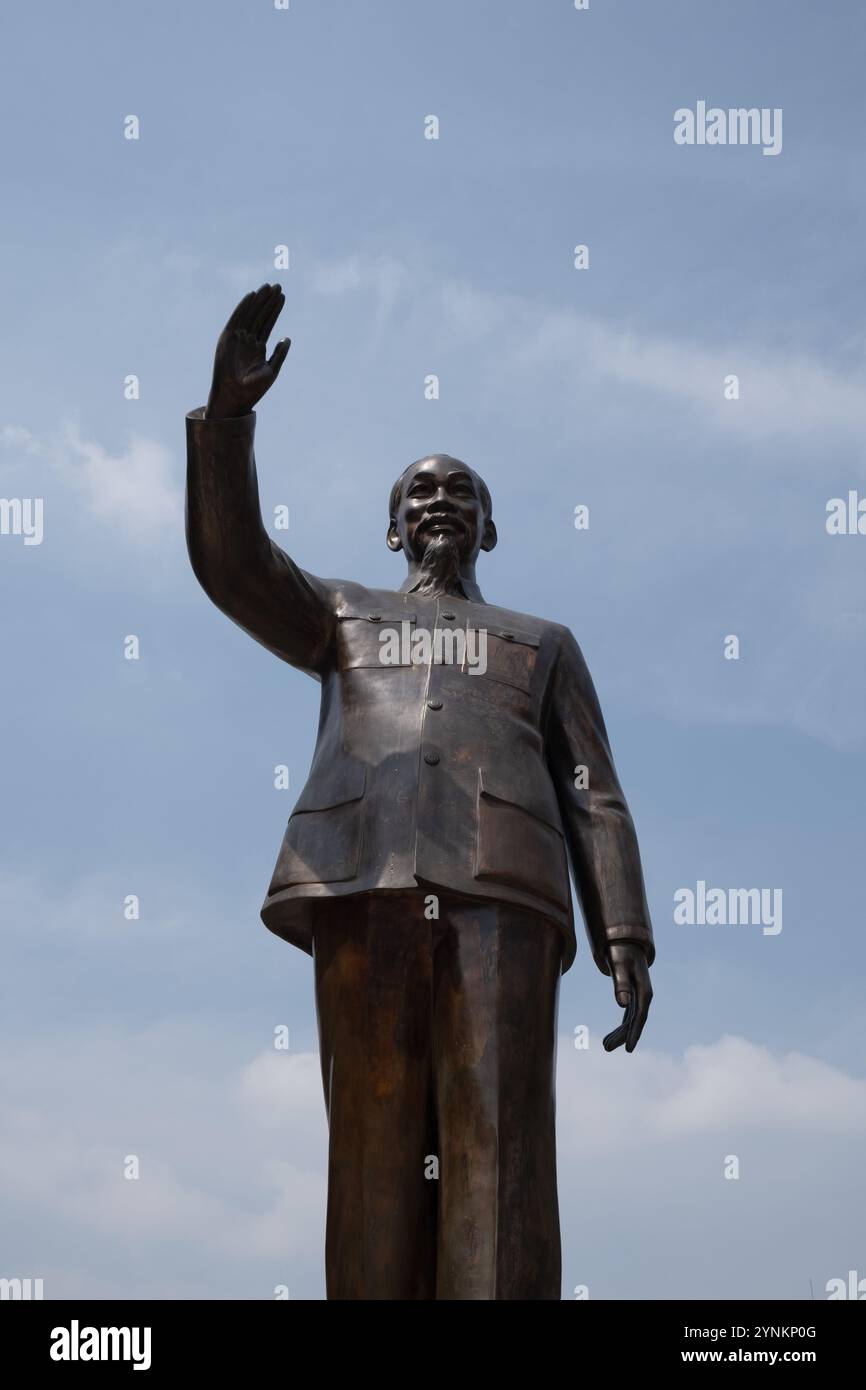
(374, 637)
(511, 654)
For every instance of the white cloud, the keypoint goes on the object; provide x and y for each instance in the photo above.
(231, 1196)
(783, 394)
(20, 440)
(779, 394)
(708, 515)
(216, 1185)
(729, 1087)
(385, 276)
(135, 490)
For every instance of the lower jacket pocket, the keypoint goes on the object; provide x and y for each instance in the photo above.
(515, 846)
(322, 843)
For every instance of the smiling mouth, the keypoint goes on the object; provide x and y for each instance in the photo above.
(443, 524)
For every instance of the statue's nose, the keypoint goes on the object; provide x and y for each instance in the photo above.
(441, 499)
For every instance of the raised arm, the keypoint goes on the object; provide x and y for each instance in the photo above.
(601, 841)
(237, 564)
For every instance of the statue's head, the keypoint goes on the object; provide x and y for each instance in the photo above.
(440, 513)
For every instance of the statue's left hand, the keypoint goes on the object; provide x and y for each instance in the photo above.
(633, 991)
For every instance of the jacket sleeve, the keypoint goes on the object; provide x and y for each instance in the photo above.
(237, 564)
(599, 831)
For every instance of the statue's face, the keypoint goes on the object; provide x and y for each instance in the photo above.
(440, 496)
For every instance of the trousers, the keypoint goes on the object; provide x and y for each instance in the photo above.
(438, 1051)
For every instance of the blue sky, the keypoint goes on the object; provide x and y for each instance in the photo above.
(602, 387)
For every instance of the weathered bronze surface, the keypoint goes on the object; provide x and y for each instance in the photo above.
(442, 1169)
(444, 773)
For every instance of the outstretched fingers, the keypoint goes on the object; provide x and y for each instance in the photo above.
(257, 312)
(238, 315)
(275, 309)
(279, 355)
(642, 997)
(262, 314)
(622, 1033)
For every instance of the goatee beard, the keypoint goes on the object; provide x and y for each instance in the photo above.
(440, 568)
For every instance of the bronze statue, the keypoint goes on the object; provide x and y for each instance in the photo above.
(462, 759)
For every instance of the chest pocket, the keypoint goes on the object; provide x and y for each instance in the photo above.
(510, 655)
(374, 638)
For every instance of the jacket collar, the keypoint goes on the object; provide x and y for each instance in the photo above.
(470, 589)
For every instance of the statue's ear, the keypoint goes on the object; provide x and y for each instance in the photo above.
(489, 539)
(392, 540)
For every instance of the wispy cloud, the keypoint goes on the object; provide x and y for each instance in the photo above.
(782, 393)
(135, 491)
(233, 1156)
(708, 514)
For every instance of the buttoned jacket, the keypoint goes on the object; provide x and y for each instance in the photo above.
(461, 746)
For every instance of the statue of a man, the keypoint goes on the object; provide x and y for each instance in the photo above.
(461, 761)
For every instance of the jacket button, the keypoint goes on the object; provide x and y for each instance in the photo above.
(434, 704)
(375, 617)
(431, 758)
(449, 616)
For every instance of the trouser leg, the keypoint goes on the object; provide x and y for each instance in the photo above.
(496, 983)
(373, 966)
